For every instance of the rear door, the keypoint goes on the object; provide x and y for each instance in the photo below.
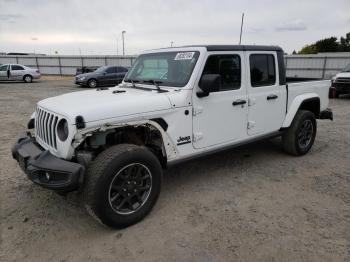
(111, 75)
(17, 72)
(267, 99)
(121, 72)
(221, 117)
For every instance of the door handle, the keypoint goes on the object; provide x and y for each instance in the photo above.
(271, 97)
(239, 102)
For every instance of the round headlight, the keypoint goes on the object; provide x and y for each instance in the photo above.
(62, 129)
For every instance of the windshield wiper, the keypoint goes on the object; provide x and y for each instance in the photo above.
(132, 82)
(156, 84)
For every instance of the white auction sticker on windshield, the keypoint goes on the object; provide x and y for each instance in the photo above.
(184, 56)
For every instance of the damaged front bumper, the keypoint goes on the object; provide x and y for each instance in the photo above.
(45, 169)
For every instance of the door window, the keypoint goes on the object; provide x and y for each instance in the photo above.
(16, 67)
(228, 67)
(111, 70)
(262, 70)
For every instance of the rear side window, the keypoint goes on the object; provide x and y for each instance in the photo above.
(262, 70)
(228, 67)
(16, 67)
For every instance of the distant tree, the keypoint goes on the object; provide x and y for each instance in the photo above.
(308, 49)
(327, 45)
(330, 44)
(294, 52)
(345, 43)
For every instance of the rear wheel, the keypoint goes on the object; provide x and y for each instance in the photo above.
(300, 136)
(27, 78)
(122, 185)
(92, 83)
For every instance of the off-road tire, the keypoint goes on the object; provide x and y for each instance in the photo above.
(290, 138)
(101, 174)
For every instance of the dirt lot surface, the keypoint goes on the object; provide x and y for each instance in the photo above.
(254, 203)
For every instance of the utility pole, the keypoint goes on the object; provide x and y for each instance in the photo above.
(240, 36)
(123, 42)
(171, 44)
(117, 46)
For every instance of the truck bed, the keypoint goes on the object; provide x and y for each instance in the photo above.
(308, 86)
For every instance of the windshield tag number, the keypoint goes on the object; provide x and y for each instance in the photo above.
(184, 56)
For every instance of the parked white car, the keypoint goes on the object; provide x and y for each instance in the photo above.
(174, 105)
(16, 72)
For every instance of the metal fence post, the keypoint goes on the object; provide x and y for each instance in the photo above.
(59, 65)
(36, 61)
(324, 67)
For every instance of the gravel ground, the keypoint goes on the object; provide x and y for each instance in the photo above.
(254, 203)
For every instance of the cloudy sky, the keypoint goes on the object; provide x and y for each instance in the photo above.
(95, 26)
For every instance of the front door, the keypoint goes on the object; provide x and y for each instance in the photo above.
(267, 99)
(221, 117)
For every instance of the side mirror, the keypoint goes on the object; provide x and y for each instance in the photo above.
(209, 83)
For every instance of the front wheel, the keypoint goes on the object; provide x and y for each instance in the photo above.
(300, 136)
(122, 185)
(92, 83)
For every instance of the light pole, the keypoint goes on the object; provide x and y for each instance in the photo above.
(123, 42)
(171, 44)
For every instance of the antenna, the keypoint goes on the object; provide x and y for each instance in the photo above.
(240, 36)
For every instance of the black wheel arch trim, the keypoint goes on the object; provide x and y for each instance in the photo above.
(309, 104)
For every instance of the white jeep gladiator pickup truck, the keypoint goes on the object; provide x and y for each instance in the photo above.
(174, 104)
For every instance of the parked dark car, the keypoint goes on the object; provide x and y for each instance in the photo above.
(103, 76)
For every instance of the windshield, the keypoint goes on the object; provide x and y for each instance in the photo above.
(347, 68)
(168, 68)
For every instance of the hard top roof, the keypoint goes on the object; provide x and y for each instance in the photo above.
(239, 47)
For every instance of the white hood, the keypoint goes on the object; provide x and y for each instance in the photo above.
(96, 105)
(343, 74)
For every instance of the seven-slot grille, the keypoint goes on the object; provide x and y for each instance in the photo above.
(45, 127)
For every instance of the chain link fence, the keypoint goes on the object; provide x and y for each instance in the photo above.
(66, 65)
(310, 66)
